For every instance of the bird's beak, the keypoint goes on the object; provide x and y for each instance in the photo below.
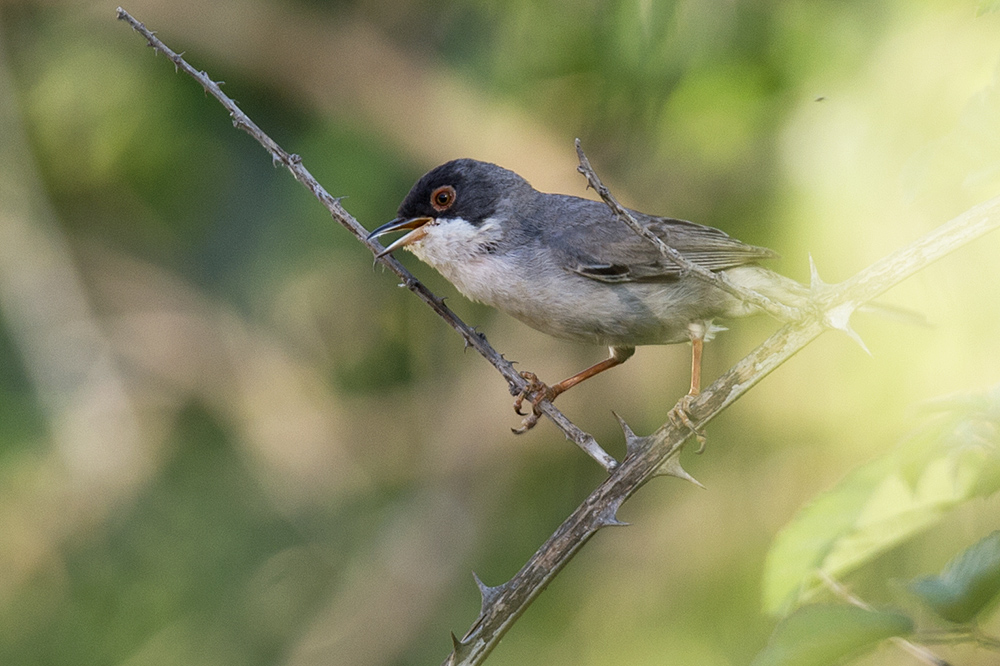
(415, 224)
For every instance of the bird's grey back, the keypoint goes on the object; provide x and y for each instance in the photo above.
(589, 239)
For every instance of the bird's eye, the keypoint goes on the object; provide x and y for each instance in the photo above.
(443, 197)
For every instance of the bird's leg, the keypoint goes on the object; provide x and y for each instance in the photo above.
(539, 391)
(680, 415)
(697, 345)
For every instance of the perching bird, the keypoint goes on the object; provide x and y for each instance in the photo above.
(569, 267)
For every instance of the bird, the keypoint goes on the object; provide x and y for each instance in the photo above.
(568, 267)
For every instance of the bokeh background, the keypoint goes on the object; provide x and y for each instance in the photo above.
(226, 439)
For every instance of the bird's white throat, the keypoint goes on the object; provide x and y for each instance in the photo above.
(461, 252)
(452, 240)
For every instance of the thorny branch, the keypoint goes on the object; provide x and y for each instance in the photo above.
(293, 163)
(652, 455)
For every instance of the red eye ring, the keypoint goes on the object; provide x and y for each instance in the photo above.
(442, 198)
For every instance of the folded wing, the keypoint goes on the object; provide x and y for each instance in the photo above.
(601, 251)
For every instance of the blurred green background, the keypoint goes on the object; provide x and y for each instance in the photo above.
(226, 439)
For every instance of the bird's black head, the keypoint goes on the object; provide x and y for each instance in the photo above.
(463, 188)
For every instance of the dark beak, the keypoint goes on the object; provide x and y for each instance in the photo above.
(415, 225)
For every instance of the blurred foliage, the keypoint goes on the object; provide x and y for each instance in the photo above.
(969, 584)
(822, 635)
(236, 585)
(952, 459)
(225, 438)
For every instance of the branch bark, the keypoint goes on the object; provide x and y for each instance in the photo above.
(648, 456)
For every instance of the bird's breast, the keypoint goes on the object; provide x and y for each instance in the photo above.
(467, 256)
(555, 301)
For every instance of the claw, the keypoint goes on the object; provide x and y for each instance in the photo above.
(518, 401)
(537, 391)
(681, 416)
(527, 423)
(533, 387)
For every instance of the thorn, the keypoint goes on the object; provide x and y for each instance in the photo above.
(456, 645)
(609, 516)
(853, 335)
(672, 467)
(816, 283)
(633, 443)
(613, 522)
(489, 594)
(629, 433)
(839, 318)
(459, 649)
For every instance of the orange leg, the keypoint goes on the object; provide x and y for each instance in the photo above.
(540, 391)
(597, 368)
(697, 344)
(679, 415)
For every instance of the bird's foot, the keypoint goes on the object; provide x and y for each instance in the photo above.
(534, 392)
(680, 415)
(527, 423)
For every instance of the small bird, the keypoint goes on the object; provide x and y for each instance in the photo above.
(569, 267)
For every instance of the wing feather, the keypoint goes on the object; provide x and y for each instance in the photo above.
(593, 245)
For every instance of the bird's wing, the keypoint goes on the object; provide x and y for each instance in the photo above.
(607, 250)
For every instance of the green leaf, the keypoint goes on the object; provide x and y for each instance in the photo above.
(968, 585)
(824, 634)
(883, 503)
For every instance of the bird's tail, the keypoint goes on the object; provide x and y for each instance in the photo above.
(769, 284)
(794, 294)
